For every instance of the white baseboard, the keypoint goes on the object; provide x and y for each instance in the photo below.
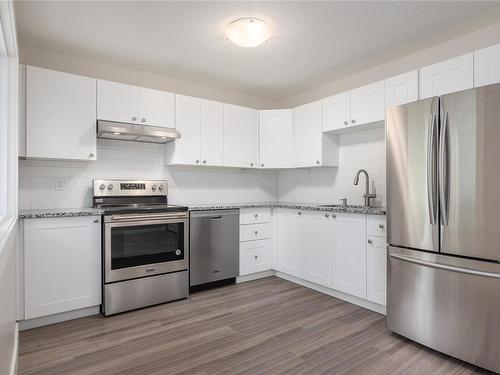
(334, 293)
(57, 318)
(13, 361)
(254, 276)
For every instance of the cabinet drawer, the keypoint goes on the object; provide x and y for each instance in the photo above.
(255, 256)
(375, 225)
(255, 215)
(251, 232)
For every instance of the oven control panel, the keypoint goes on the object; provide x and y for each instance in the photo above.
(108, 188)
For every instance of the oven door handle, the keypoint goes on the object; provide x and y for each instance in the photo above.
(147, 217)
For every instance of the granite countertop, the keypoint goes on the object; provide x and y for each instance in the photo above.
(62, 212)
(294, 205)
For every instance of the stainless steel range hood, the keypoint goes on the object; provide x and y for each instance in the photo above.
(132, 132)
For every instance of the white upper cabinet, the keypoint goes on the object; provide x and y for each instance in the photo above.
(487, 66)
(276, 138)
(289, 242)
(447, 76)
(241, 137)
(125, 103)
(367, 104)
(312, 148)
(186, 149)
(349, 273)
(337, 111)
(212, 133)
(401, 89)
(117, 102)
(319, 242)
(60, 115)
(156, 107)
(62, 264)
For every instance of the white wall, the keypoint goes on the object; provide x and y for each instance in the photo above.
(119, 159)
(364, 149)
(32, 55)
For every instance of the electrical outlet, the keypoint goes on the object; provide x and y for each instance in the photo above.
(60, 184)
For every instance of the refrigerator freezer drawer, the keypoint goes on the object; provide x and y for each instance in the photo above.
(446, 303)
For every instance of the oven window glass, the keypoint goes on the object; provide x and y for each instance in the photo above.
(146, 244)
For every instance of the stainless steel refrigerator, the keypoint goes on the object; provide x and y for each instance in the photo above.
(443, 189)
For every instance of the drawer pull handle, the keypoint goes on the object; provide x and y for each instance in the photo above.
(381, 226)
(216, 218)
(256, 232)
(370, 242)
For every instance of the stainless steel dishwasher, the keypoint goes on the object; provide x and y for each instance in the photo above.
(214, 246)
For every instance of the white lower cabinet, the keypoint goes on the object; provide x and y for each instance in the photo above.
(255, 256)
(62, 269)
(319, 243)
(376, 269)
(289, 242)
(349, 272)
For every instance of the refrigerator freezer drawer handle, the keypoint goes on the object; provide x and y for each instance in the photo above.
(431, 170)
(445, 267)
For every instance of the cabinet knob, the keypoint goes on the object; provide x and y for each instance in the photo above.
(353, 121)
(370, 242)
(256, 232)
(299, 213)
(204, 162)
(134, 118)
(256, 216)
(317, 162)
(255, 256)
(143, 120)
(381, 226)
(197, 161)
(346, 123)
(326, 215)
(262, 165)
(96, 220)
(251, 164)
(334, 216)
(91, 155)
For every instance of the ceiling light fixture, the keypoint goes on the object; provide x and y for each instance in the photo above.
(248, 32)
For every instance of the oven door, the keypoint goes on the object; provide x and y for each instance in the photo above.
(143, 245)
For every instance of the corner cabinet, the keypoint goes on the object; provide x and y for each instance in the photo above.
(312, 148)
(289, 242)
(62, 264)
(60, 115)
(125, 103)
(276, 138)
(241, 137)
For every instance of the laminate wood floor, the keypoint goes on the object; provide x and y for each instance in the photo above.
(267, 326)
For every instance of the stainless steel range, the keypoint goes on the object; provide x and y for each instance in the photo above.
(145, 244)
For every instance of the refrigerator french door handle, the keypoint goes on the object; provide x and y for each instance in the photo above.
(444, 178)
(431, 170)
(446, 267)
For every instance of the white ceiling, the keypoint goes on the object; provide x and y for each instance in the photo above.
(313, 42)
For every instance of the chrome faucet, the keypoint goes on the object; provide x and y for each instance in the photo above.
(367, 194)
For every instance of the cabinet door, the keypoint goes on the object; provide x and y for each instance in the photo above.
(487, 66)
(212, 136)
(186, 149)
(62, 260)
(289, 241)
(117, 102)
(401, 89)
(337, 111)
(376, 269)
(156, 107)
(255, 256)
(240, 136)
(447, 76)
(307, 135)
(349, 273)
(367, 104)
(276, 138)
(319, 237)
(60, 115)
